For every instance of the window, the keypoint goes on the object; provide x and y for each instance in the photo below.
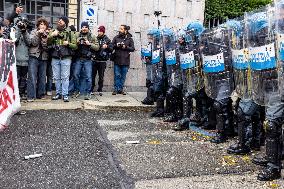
(110, 17)
(119, 5)
(33, 9)
(129, 18)
(146, 20)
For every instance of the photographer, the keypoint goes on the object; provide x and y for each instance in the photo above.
(38, 60)
(87, 44)
(63, 42)
(99, 65)
(123, 46)
(19, 34)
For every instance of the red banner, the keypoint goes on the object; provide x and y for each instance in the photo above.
(9, 91)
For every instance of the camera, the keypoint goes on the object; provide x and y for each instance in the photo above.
(44, 35)
(81, 41)
(24, 23)
(60, 36)
(120, 44)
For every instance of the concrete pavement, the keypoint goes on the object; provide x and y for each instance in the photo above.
(108, 101)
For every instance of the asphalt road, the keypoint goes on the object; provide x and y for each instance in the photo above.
(93, 149)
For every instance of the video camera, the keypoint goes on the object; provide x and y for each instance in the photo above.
(24, 23)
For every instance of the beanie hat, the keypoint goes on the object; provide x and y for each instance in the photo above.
(102, 29)
(65, 19)
(86, 24)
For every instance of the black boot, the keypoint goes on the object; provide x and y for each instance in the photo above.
(222, 118)
(260, 160)
(160, 108)
(187, 110)
(238, 149)
(219, 138)
(273, 151)
(149, 100)
(170, 118)
(209, 118)
(269, 173)
(244, 136)
(182, 125)
(257, 126)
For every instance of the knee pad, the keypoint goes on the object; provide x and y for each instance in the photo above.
(218, 106)
(273, 129)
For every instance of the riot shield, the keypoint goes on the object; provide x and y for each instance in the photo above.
(240, 58)
(263, 64)
(217, 63)
(170, 48)
(279, 33)
(155, 38)
(190, 60)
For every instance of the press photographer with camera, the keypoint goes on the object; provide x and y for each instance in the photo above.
(87, 45)
(123, 46)
(63, 43)
(19, 34)
(38, 53)
(101, 57)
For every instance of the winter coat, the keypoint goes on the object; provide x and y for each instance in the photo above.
(85, 51)
(104, 54)
(122, 56)
(22, 46)
(38, 46)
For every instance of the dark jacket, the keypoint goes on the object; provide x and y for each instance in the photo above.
(122, 56)
(56, 43)
(38, 45)
(85, 51)
(104, 54)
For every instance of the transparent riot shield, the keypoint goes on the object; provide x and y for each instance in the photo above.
(190, 60)
(278, 96)
(262, 54)
(240, 58)
(217, 62)
(155, 38)
(170, 48)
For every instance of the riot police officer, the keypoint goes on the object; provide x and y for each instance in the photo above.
(174, 92)
(146, 56)
(249, 120)
(269, 89)
(218, 77)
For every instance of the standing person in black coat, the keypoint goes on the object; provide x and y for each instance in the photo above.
(99, 65)
(123, 45)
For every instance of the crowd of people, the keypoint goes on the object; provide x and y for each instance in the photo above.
(59, 54)
(241, 58)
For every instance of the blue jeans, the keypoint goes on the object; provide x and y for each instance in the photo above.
(49, 77)
(36, 78)
(79, 66)
(61, 72)
(119, 77)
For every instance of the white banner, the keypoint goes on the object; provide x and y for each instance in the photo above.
(9, 91)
